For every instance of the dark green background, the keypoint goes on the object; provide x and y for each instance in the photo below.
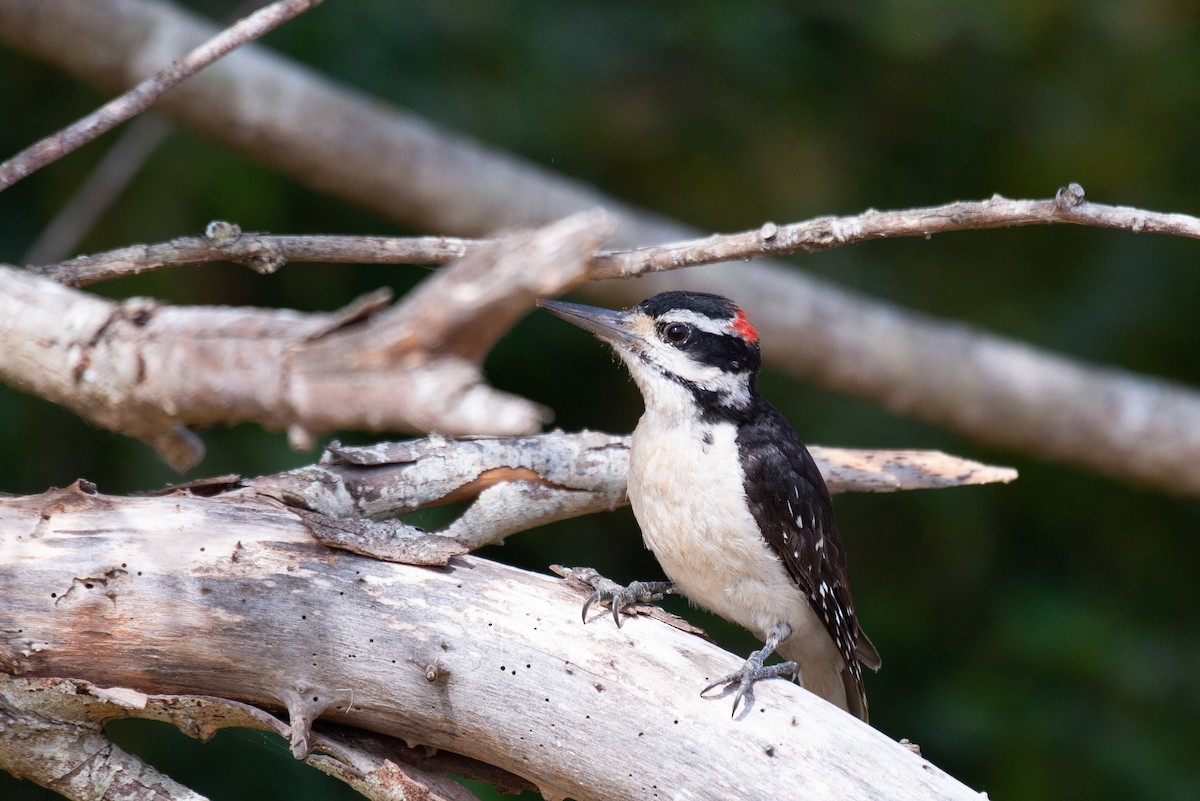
(1040, 640)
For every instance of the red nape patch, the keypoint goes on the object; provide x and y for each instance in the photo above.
(743, 328)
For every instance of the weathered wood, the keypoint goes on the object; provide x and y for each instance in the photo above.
(60, 723)
(155, 371)
(523, 482)
(232, 597)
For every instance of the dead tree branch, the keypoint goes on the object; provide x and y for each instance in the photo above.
(152, 371)
(263, 253)
(338, 141)
(140, 98)
(356, 495)
(827, 233)
(64, 747)
(267, 253)
(208, 611)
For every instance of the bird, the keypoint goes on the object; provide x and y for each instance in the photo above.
(728, 498)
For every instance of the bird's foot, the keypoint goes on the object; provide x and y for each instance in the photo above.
(619, 597)
(752, 671)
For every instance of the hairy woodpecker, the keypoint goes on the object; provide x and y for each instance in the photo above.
(727, 496)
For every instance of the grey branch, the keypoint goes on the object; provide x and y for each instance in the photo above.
(51, 735)
(152, 371)
(65, 748)
(139, 98)
(356, 148)
(264, 253)
(267, 253)
(233, 599)
(826, 233)
(352, 499)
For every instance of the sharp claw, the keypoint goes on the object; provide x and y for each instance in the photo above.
(620, 597)
(586, 604)
(745, 691)
(746, 676)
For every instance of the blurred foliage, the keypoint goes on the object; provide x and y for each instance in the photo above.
(1040, 640)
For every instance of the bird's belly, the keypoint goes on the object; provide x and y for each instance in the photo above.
(690, 503)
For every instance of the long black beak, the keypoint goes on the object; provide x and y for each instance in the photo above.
(609, 325)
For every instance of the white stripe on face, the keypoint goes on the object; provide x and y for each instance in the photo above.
(697, 321)
(675, 365)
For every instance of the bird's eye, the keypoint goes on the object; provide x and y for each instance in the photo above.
(677, 332)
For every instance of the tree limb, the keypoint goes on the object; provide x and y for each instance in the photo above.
(47, 736)
(71, 754)
(358, 494)
(230, 597)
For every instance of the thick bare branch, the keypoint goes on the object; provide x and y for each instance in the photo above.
(518, 484)
(355, 147)
(138, 99)
(151, 370)
(440, 332)
(230, 597)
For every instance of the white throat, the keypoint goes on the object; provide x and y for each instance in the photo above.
(664, 380)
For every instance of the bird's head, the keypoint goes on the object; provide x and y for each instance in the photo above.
(692, 340)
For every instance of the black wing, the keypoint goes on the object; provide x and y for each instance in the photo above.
(791, 504)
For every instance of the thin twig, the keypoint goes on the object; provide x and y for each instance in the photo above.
(139, 98)
(266, 253)
(825, 233)
(118, 167)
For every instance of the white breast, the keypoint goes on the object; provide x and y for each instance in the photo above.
(688, 497)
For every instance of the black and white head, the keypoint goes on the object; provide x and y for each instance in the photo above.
(687, 351)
